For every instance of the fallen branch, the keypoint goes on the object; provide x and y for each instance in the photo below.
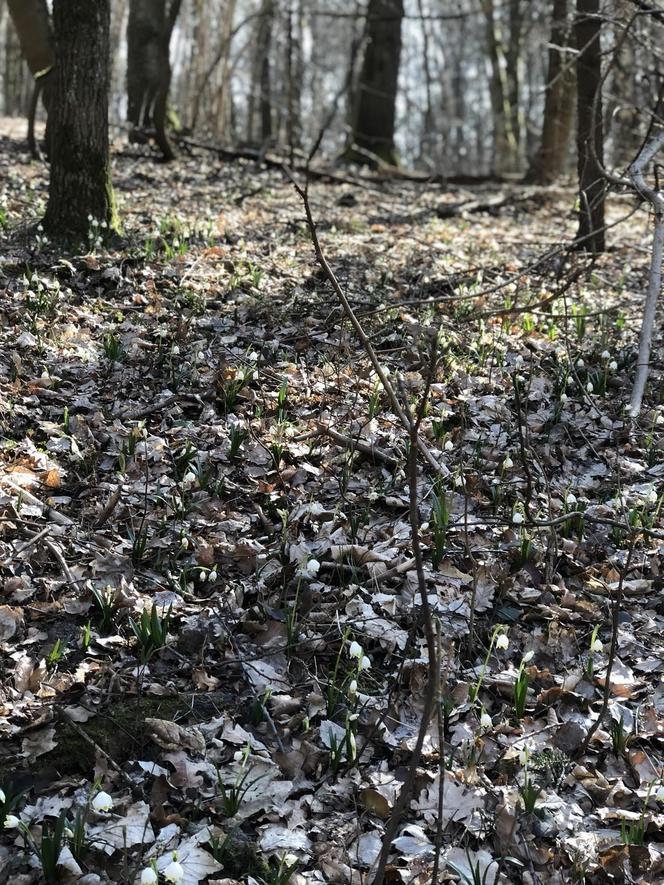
(359, 446)
(47, 512)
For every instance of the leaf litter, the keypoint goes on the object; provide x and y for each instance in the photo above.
(209, 604)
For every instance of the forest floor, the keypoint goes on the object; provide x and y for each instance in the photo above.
(190, 424)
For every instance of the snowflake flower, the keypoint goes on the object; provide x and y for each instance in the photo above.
(310, 568)
(365, 663)
(507, 463)
(597, 646)
(485, 720)
(11, 821)
(502, 642)
(517, 517)
(174, 872)
(613, 366)
(149, 877)
(527, 658)
(589, 387)
(102, 802)
(356, 650)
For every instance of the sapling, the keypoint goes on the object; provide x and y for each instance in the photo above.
(500, 640)
(521, 687)
(596, 647)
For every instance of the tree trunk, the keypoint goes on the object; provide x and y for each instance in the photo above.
(374, 111)
(80, 186)
(590, 136)
(16, 83)
(503, 89)
(260, 96)
(149, 30)
(33, 27)
(548, 164)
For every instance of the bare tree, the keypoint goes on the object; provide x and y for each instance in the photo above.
(504, 85)
(374, 110)
(260, 97)
(548, 164)
(149, 30)
(80, 186)
(590, 130)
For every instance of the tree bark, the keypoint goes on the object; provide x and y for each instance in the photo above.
(80, 186)
(260, 96)
(548, 164)
(33, 27)
(504, 87)
(374, 112)
(149, 30)
(590, 135)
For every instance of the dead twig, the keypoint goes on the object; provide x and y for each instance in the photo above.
(358, 445)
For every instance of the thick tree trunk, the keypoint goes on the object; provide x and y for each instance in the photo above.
(548, 164)
(149, 30)
(374, 111)
(590, 136)
(80, 186)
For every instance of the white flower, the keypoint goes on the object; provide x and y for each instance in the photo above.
(449, 445)
(356, 650)
(149, 877)
(174, 872)
(102, 802)
(212, 577)
(571, 498)
(579, 363)
(311, 568)
(606, 355)
(502, 642)
(518, 361)
(507, 463)
(597, 646)
(202, 576)
(613, 366)
(485, 720)
(189, 479)
(184, 543)
(652, 496)
(523, 756)
(529, 655)
(659, 795)
(589, 387)
(365, 663)
(175, 350)
(352, 688)
(11, 821)
(563, 397)
(69, 833)
(517, 517)
(3, 798)
(458, 482)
